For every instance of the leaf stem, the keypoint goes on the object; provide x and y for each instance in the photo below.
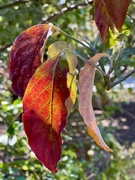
(73, 38)
(88, 43)
(86, 46)
(13, 4)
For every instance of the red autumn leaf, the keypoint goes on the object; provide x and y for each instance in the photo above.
(108, 13)
(102, 19)
(117, 9)
(44, 110)
(86, 80)
(26, 56)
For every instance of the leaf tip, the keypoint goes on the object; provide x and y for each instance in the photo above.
(53, 169)
(98, 139)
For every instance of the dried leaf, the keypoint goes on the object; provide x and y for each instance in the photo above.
(44, 110)
(26, 56)
(86, 80)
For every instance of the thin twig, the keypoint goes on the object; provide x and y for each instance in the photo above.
(67, 9)
(121, 79)
(5, 47)
(75, 39)
(13, 4)
(88, 43)
(71, 37)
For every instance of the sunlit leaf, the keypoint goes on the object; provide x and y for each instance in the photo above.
(44, 110)
(26, 56)
(62, 46)
(55, 48)
(71, 78)
(86, 80)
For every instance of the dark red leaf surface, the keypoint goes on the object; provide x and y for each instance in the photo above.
(44, 110)
(108, 13)
(26, 56)
(102, 19)
(117, 9)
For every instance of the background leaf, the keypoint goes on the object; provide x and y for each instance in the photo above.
(102, 19)
(44, 110)
(117, 10)
(26, 56)
(110, 13)
(86, 80)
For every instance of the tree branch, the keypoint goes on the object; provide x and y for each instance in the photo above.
(13, 4)
(5, 47)
(67, 9)
(125, 76)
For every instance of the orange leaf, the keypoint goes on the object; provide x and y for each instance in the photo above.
(44, 110)
(86, 80)
(26, 56)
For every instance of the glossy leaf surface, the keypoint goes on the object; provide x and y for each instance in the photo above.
(26, 56)
(86, 80)
(44, 110)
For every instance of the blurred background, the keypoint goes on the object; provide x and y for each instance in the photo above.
(81, 159)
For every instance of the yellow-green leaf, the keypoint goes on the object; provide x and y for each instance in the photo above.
(71, 78)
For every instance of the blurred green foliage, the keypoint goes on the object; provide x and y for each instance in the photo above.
(81, 158)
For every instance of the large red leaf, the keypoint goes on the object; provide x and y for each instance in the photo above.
(26, 56)
(44, 110)
(86, 80)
